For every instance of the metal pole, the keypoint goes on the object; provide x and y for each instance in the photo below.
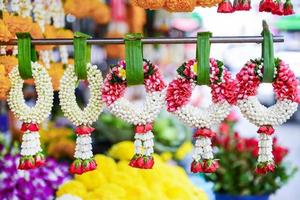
(182, 40)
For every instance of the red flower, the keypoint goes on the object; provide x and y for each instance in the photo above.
(266, 6)
(242, 5)
(267, 129)
(132, 162)
(288, 8)
(278, 9)
(139, 162)
(112, 91)
(210, 166)
(204, 132)
(225, 7)
(39, 160)
(264, 168)
(29, 127)
(178, 94)
(88, 165)
(84, 130)
(149, 163)
(279, 152)
(224, 128)
(143, 128)
(196, 167)
(27, 163)
(76, 167)
(251, 144)
(240, 145)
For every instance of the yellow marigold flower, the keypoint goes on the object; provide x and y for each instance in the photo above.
(17, 24)
(9, 63)
(92, 180)
(106, 165)
(183, 150)
(72, 187)
(4, 83)
(5, 35)
(109, 191)
(166, 156)
(122, 151)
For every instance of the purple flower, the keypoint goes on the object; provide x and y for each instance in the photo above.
(40, 183)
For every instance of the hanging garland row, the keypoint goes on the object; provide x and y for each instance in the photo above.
(203, 70)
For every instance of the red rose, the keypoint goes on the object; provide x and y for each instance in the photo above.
(278, 9)
(288, 8)
(225, 7)
(27, 163)
(39, 160)
(140, 162)
(279, 153)
(267, 129)
(266, 6)
(29, 127)
(76, 167)
(242, 5)
(83, 130)
(224, 128)
(149, 163)
(210, 166)
(132, 162)
(204, 132)
(196, 167)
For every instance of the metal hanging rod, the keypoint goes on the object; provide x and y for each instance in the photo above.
(179, 40)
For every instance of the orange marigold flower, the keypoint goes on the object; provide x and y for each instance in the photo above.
(64, 33)
(9, 62)
(115, 51)
(101, 13)
(5, 35)
(17, 23)
(4, 83)
(180, 5)
(208, 3)
(79, 8)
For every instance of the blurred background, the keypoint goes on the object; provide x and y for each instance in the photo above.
(173, 140)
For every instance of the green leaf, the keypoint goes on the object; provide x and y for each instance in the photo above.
(82, 54)
(268, 54)
(134, 59)
(202, 55)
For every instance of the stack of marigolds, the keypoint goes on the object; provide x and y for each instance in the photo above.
(114, 179)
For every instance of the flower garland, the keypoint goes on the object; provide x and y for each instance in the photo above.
(112, 94)
(223, 95)
(83, 119)
(31, 151)
(285, 87)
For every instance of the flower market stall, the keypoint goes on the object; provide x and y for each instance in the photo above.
(92, 105)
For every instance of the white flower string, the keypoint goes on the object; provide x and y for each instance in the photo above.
(112, 94)
(285, 87)
(31, 151)
(83, 119)
(223, 95)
